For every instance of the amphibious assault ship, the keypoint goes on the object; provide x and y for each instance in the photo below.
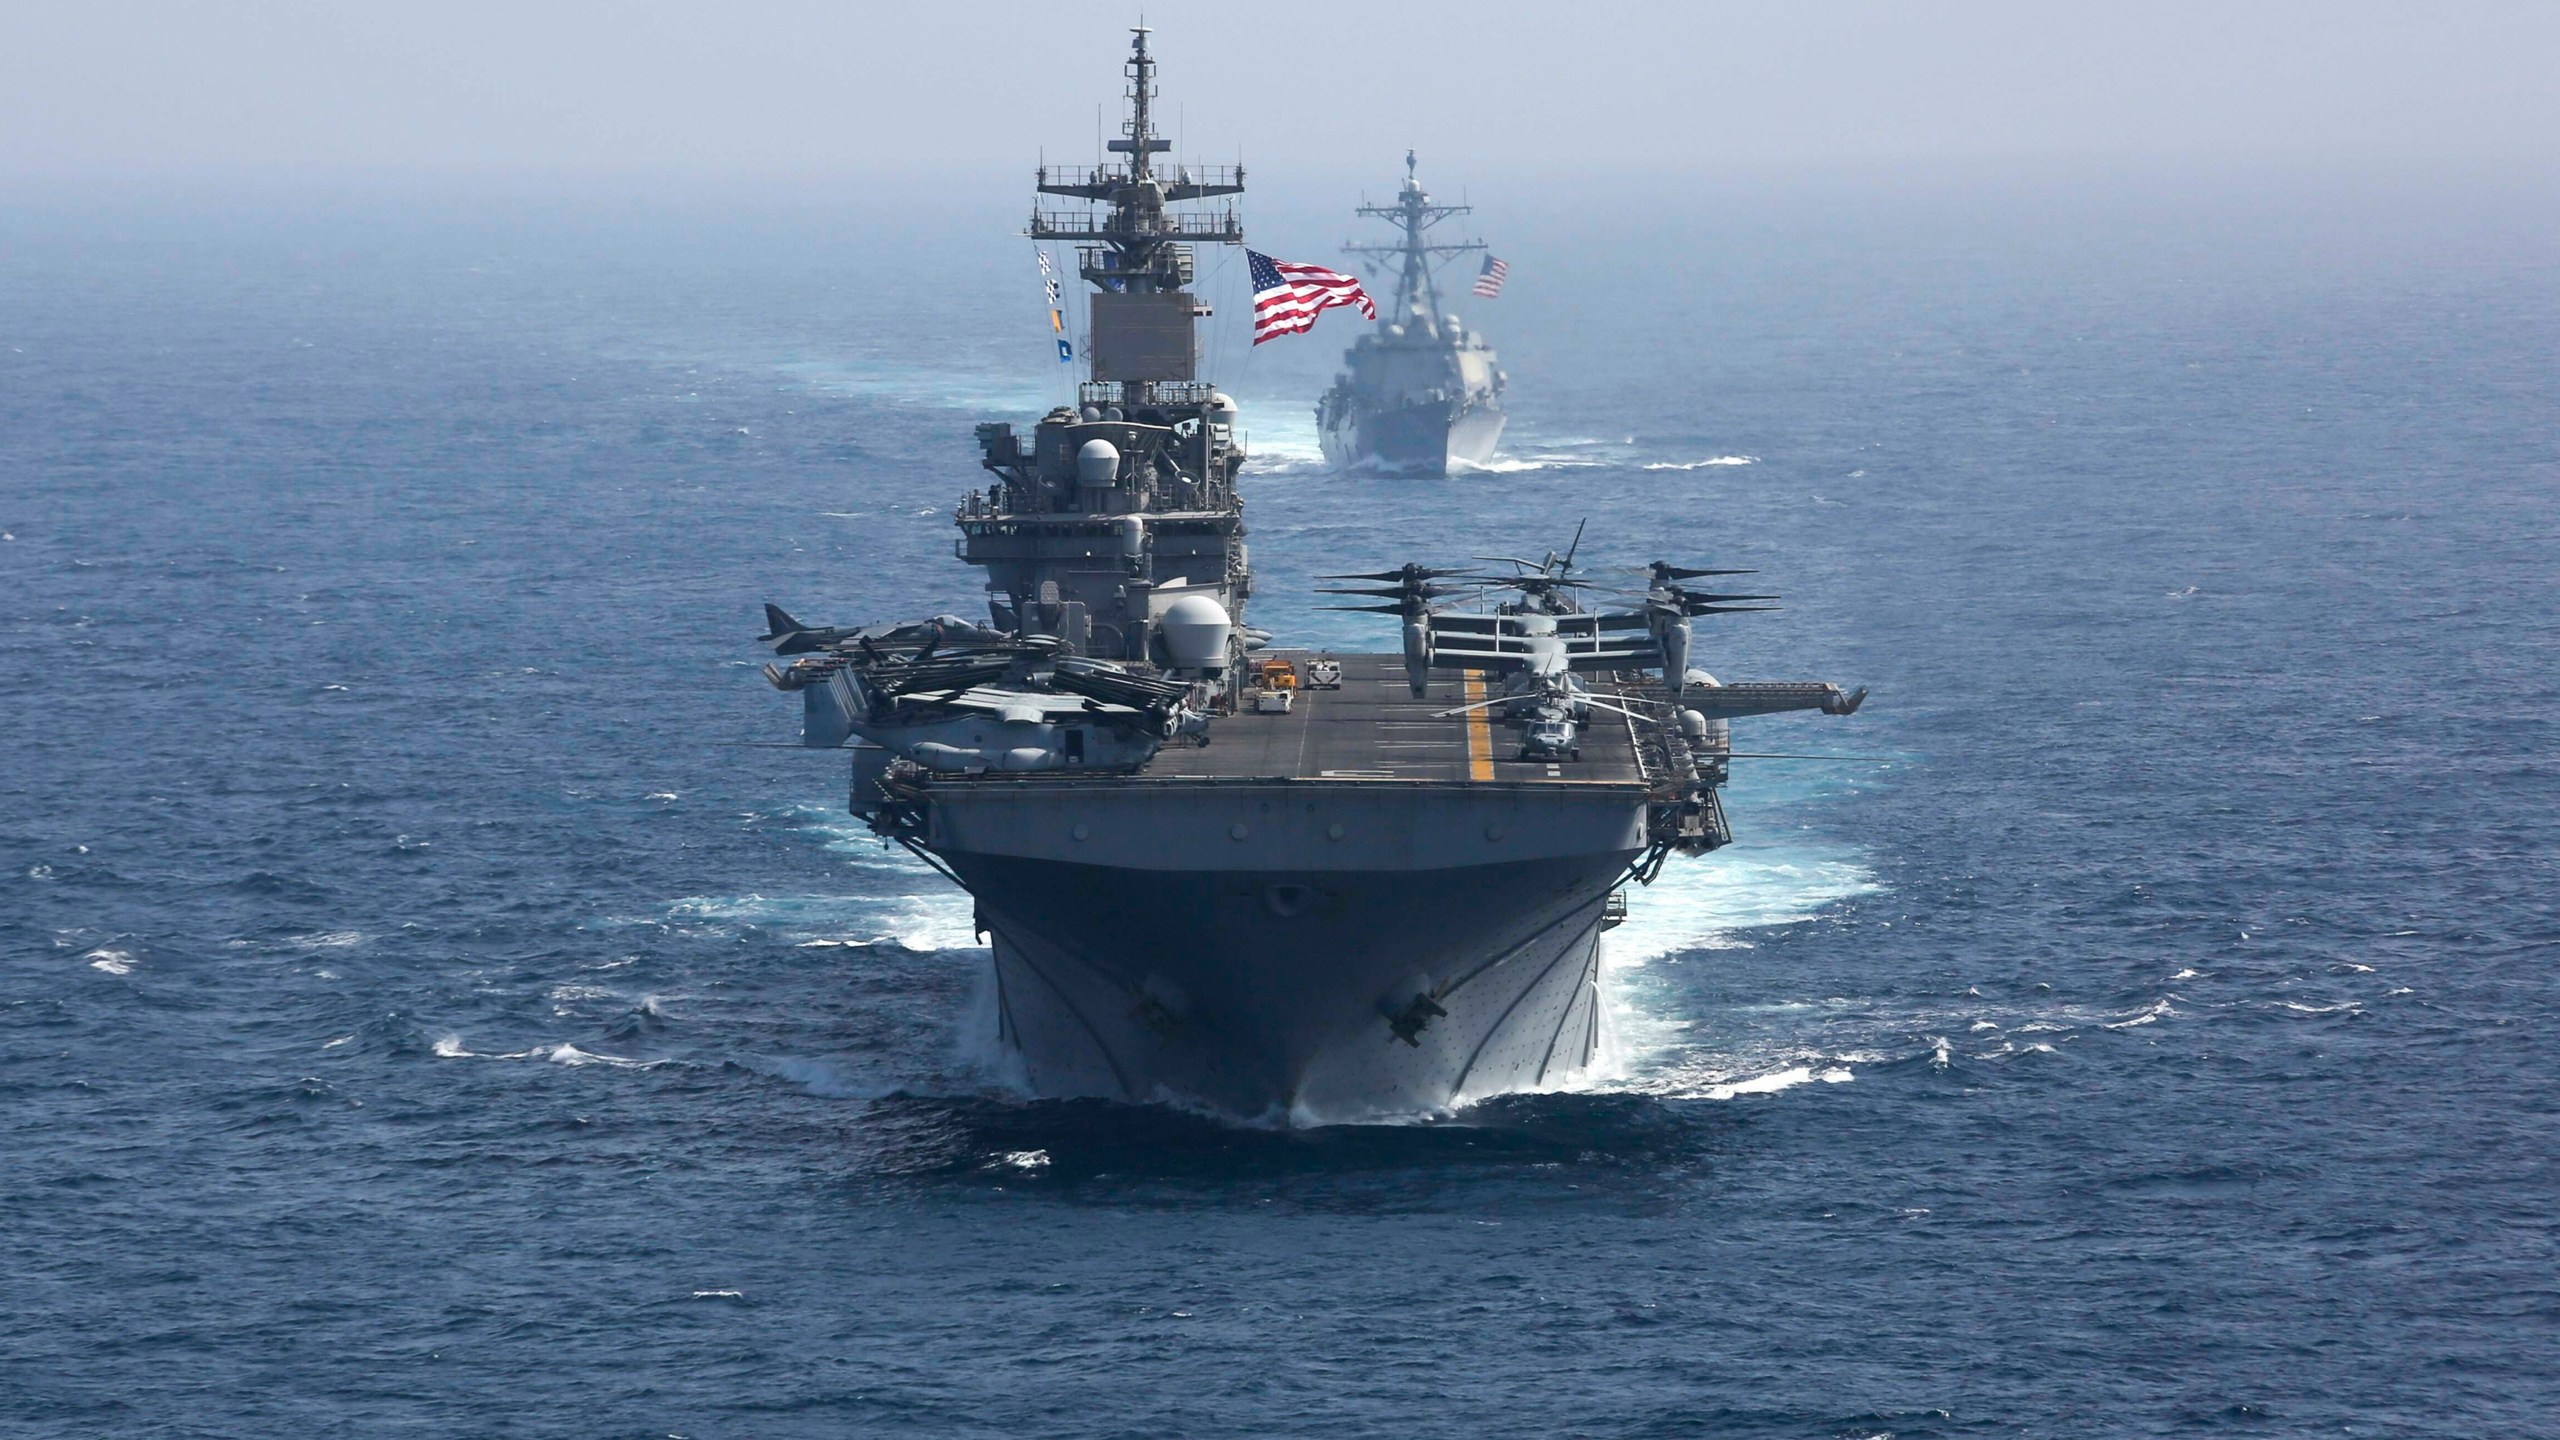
(1420, 393)
(1269, 882)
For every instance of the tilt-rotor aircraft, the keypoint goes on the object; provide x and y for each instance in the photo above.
(1538, 640)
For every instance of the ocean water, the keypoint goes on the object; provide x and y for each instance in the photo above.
(421, 1012)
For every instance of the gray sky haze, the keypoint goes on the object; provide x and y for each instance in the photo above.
(775, 87)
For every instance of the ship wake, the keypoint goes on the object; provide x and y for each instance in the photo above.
(1666, 1035)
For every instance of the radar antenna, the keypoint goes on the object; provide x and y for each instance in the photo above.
(1142, 140)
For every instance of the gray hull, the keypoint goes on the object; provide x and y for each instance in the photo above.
(1421, 440)
(1260, 977)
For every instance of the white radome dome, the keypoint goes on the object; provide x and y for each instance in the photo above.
(1097, 463)
(1195, 630)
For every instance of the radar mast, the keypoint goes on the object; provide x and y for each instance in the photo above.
(1136, 253)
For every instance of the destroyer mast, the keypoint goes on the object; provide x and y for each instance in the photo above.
(1415, 213)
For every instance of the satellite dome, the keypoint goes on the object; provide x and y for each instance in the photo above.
(1098, 463)
(1195, 630)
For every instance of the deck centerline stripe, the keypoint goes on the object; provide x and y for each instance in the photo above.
(1479, 731)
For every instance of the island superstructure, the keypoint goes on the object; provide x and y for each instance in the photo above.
(1419, 393)
(1263, 881)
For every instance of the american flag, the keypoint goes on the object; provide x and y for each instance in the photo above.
(1489, 280)
(1286, 297)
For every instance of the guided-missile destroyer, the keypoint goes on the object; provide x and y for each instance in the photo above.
(1420, 393)
(1263, 881)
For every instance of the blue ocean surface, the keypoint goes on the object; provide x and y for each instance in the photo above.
(421, 1014)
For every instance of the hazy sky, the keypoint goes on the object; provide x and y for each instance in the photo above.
(93, 86)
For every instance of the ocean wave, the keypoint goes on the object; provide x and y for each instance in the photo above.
(568, 994)
(1524, 464)
(572, 1055)
(2159, 1011)
(920, 922)
(1786, 1079)
(327, 940)
(1704, 1077)
(893, 898)
(1649, 1039)
(2011, 1049)
(1709, 462)
(450, 1047)
(1697, 907)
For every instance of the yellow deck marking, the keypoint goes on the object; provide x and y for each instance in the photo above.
(1479, 731)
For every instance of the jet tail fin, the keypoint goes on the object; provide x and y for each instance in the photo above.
(778, 622)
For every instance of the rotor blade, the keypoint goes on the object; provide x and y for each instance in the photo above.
(1570, 550)
(1728, 609)
(1418, 572)
(1682, 572)
(1533, 582)
(1371, 609)
(1479, 705)
(1703, 597)
(1598, 704)
(1414, 592)
(1623, 698)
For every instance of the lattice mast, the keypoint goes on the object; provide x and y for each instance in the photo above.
(1415, 214)
(1137, 254)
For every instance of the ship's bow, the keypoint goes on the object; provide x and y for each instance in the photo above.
(1303, 950)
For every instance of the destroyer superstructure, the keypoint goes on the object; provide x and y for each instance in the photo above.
(1262, 880)
(1420, 392)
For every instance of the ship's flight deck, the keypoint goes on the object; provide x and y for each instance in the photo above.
(1373, 729)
